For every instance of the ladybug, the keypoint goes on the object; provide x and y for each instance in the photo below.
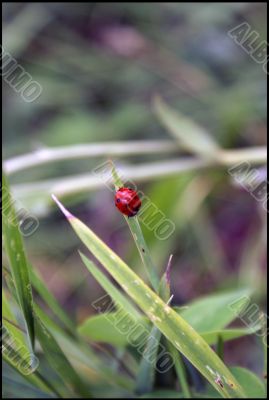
(127, 201)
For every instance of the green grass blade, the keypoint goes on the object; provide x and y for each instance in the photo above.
(252, 385)
(189, 135)
(173, 326)
(264, 331)
(180, 370)
(58, 360)
(220, 347)
(227, 334)
(214, 312)
(35, 378)
(145, 377)
(10, 284)
(13, 245)
(143, 250)
(118, 298)
(77, 351)
(82, 357)
(15, 351)
(50, 300)
(11, 322)
(98, 328)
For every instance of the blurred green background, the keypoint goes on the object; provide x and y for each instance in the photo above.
(100, 65)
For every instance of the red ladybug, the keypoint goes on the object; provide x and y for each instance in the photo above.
(127, 201)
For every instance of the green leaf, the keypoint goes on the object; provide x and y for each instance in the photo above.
(180, 370)
(227, 334)
(173, 326)
(34, 378)
(13, 245)
(50, 300)
(145, 376)
(190, 135)
(82, 357)
(12, 324)
(143, 250)
(100, 328)
(58, 360)
(252, 385)
(216, 311)
(15, 384)
(16, 352)
(10, 283)
(264, 331)
(119, 298)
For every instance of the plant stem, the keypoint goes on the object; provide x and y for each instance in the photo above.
(144, 252)
(180, 370)
(138, 236)
(47, 155)
(220, 347)
(140, 173)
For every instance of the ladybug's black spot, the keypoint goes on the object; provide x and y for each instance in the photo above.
(118, 200)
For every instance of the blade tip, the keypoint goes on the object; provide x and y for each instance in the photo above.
(62, 208)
